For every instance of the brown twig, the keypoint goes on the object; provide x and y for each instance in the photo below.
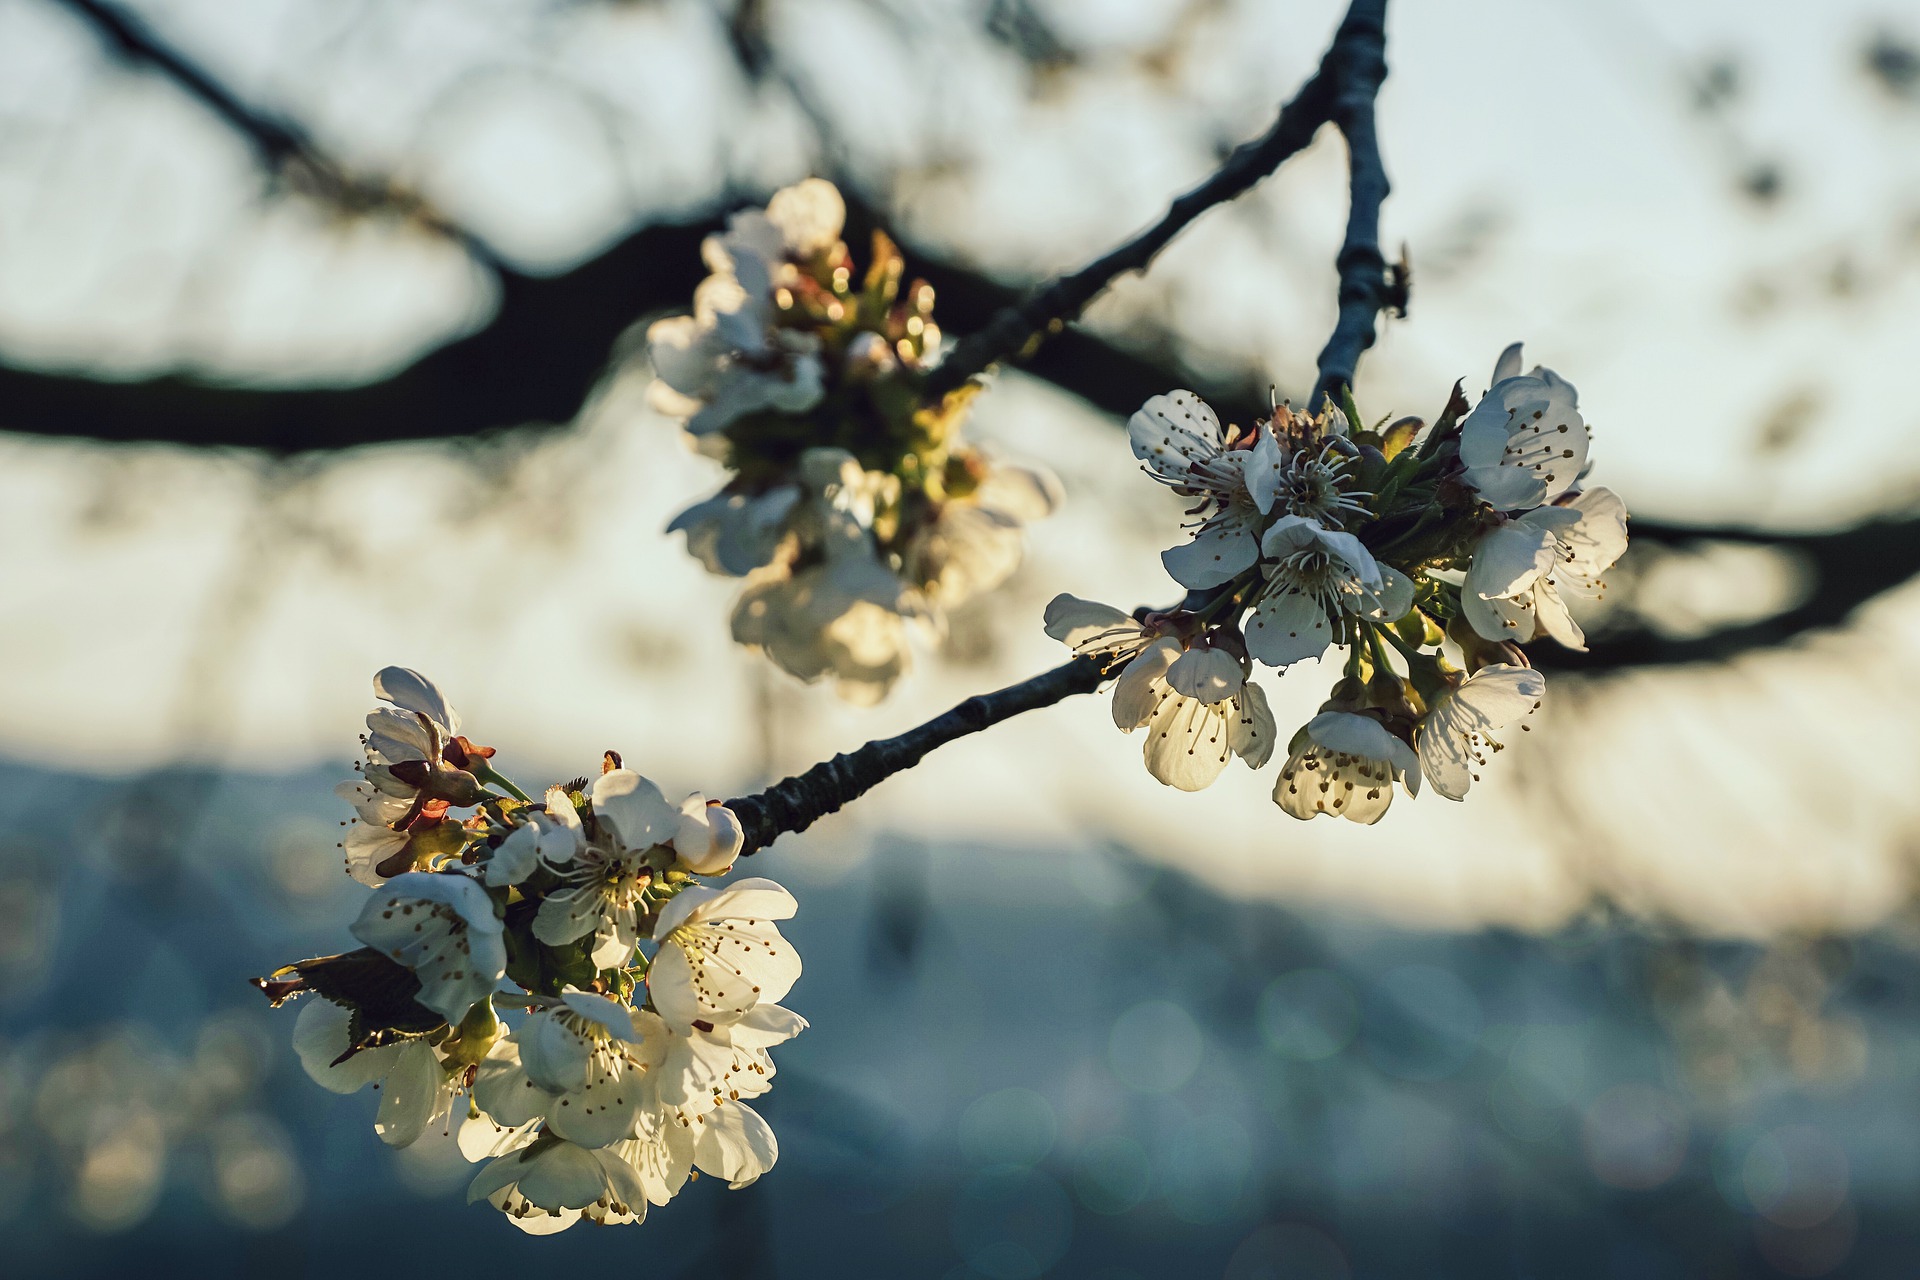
(794, 804)
(1367, 284)
(1345, 74)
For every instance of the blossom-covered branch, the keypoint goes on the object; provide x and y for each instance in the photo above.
(1366, 284)
(796, 803)
(1353, 67)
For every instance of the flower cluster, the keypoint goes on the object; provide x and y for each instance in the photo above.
(1428, 555)
(651, 998)
(855, 511)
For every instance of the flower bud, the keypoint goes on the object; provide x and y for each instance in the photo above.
(709, 838)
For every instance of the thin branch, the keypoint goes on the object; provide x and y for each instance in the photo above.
(1366, 284)
(284, 147)
(794, 804)
(1356, 52)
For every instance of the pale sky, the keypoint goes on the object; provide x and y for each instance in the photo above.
(1550, 178)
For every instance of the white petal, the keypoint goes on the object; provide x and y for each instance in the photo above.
(414, 692)
(718, 971)
(1266, 471)
(516, 857)
(1507, 366)
(1551, 610)
(603, 1110)
(442, 927)
(394, 735)
(414, 1095)
(321, 1034)
(1499, 619)
(1393, 600)
(611, 1016)
(505, 1091)
(1601, 536)
(480, 1138)
(1086, 626)
(709, 837)
(755, 898)
(1143, 683)
(1353, 734)
(1221, 550)
(1452, 737)
(1171, 432)
(1508, 560)
(1211, 675)
(569, 915)
(367, 847)
(766, 1025)
(1187, 743)
(1252, 732)
(1287, 627)
(735, 1144)
(634, 807)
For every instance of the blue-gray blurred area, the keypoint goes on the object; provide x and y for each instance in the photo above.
(1022, 1062)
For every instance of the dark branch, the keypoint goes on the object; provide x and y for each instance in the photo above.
(795, 804)
(1366, 285)
(283, 146)
(1847, 569)
(1356, 52)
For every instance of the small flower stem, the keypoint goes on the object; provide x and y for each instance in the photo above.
(486, 773)
(796, 803)
(1380, 658)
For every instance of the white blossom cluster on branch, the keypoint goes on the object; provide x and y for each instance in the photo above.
(646, 999)
(1428, 555)
(855, 512)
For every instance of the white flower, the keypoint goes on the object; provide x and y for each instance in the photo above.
(845, 613)
(563, 1181)
(553, 836)
(730, 358)
(721, 954)
(1306, 480)
(372, 838)
(441, 926)
(1197, 705)
(1180, 439)
(975, 543)
(733, 534)
(709, 837)
(1459, 728)
(1190, 735)
(731, 1142)
(1090, 628)
(1525, 443)
(845, 618)
(1345, 765)
(691, 1070)
(415, 1089)
(1315, 574)
(577, 1065)
(411, 746)
(1519, 568)
(604, 880)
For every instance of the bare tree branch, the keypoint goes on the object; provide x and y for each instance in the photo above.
(284, 147)
(1357, 51)
(794, 804)
(1366, 285)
